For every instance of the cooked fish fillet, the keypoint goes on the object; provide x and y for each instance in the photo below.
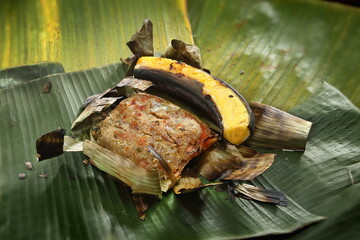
(142, 120)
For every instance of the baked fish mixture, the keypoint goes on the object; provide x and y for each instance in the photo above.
(145, 120)
(170, 124)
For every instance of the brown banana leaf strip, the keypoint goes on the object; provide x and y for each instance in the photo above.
(142, 203)
(72, 145)
(188, 190)
(263, 195)
(252, 163)
(50, 144)
(96, 107)
(228, 162)
(164, 165)
(118, 90)
(188, 182)
(141, 43)
(140, 180)
(87, 102)
(135, 83)
(92, 114)
(131, 62)
(276, 129)
(187, 53)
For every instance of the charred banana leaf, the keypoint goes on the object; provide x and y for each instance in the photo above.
(142, 203)
(50, 144)
(190, 182)
(218, 100)
(276, 129)
(97, 107)
(259, 194)
(187, 53)
(228, 162)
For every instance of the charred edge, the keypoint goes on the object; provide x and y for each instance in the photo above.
(247, 105)
(130, 70)
(163, 164)
(258, 194)
(86, 103)
(142, 40)
(141, 203)
(180, 47)
(50, 145)
(191, 93)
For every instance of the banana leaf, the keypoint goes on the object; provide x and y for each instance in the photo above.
(86, 190)
(279, 52)
(16, 75)
(274, 52)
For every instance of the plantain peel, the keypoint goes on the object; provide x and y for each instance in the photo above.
(225, 106)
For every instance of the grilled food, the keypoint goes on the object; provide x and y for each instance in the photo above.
(145, 120)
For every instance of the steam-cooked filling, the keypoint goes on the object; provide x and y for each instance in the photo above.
(143, 120)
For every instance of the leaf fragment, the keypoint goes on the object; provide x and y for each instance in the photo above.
(187, 53)
(135, 83)
(22, 175)
(141, 203)
(263, 195)
(43, 175)
(50, 145)
(164, 165)
(276, 129)
(141, 43)
(92, 114)
(72, 145)
(191, 182)
(139, 179)
(28, 165)
(188, 181)
(228, 162)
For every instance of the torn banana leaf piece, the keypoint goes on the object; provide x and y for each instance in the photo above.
(228, 162)
(97, 107)
(50, 144)
(140, 180)
(72, 145)
(142, 203)
(92, 114)
(141, 43)
(259, 194)
(187, 53)
(218, 100)
(164, 165)
(276, 129)
(190, 182)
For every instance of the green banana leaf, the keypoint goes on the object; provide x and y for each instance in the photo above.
(240, 42)
(83, 34)
(16, 75)
(285, 49)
